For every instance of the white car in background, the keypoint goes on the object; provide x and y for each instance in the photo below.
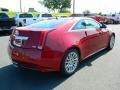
(24, 19)
(44, 16)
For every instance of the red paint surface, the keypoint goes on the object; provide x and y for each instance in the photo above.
(54, 45)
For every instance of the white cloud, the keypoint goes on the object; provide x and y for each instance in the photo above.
(105, 6)
(14, 5)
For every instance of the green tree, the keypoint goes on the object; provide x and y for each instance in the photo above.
(47, 4)
(86, 12)
(100, 13)
(54, 5)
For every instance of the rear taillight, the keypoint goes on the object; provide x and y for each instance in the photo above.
(18, 42)
(42, 40)
(17, 39)
(24, 20)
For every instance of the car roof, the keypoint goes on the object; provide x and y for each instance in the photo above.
(55, 22)
(75, 18)
(79, 18)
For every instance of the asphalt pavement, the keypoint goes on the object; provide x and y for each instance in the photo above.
(99, 72)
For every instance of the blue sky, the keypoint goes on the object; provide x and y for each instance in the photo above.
(105, 6)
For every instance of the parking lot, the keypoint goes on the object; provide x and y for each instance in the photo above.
(99, 72)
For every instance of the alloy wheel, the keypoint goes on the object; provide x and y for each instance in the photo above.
(71, 62)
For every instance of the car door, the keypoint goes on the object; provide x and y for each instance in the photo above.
(79, 30)
(93, 32)
(104, 36)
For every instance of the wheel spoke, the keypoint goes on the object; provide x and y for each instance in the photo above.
(71, 62)
(112, 41)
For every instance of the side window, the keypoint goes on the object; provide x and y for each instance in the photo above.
(79, 25)
(91, 24)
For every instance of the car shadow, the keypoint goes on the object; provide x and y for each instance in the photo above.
(12, 78)
(89, 60)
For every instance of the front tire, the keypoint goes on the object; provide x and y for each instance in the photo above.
(70, 62)
(111, 42)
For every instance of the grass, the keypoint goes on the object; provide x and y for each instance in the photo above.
(12, 14)
(61, 14)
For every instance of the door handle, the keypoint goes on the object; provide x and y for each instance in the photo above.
(100, 32)
(86, 33)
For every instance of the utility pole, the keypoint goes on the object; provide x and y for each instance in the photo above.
(73, 6)
(20, 6)
(24, 8)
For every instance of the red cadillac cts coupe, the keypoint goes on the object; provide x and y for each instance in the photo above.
(58, 44)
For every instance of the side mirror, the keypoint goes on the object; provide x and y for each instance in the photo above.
(103, 25)
(83, 23)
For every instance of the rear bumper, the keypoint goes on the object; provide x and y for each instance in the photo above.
(32, 66)
(34, 59)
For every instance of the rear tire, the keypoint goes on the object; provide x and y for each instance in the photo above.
(20, 24)
(70, 62)
(113, 21)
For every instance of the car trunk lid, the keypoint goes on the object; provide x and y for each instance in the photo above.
(33, 38)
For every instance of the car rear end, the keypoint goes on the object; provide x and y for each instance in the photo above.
(45, 16)
(28, 21)
(28, 48)
(25, 19)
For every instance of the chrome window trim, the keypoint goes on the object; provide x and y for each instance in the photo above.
(73, 26)
(94, 21)
(77, 30)
(21, 38)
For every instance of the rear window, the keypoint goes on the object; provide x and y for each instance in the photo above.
(113, 15)
(47, 23)
(25, 16)
(46, 15)
(3, 15)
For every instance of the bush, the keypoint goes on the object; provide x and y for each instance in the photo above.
(4, 9)
(65, 11)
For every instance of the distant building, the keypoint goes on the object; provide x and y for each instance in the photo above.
(31, 10)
